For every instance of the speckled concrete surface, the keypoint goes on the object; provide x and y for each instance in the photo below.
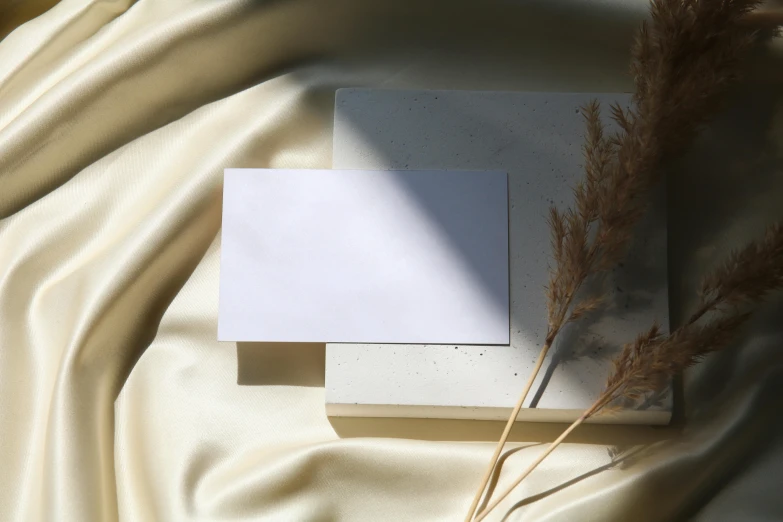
(537, 139)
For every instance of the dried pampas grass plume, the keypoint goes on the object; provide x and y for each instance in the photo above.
(648, 363)
(683, 58)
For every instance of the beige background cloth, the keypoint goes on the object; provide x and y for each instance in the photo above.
(116, 401)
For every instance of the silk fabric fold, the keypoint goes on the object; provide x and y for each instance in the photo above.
(117, 402)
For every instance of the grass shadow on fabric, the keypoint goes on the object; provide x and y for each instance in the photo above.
(281, 364)
(616, 462)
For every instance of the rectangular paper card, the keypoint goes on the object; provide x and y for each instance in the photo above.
(364, 256)
(537, 138)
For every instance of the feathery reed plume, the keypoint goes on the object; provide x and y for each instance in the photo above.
(682, 60)
(766, 19)
(647, 364)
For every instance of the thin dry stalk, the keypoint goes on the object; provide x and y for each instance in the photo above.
(682, 60)
(646, 365)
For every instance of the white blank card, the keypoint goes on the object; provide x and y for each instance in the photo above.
(418, 257)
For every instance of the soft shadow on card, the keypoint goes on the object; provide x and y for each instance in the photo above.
(281, 364)
(364, 256)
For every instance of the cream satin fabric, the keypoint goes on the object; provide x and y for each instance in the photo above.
(116, 401)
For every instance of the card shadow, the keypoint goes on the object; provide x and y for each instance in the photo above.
(281, 364)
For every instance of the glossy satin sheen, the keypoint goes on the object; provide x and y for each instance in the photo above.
(117, 119)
